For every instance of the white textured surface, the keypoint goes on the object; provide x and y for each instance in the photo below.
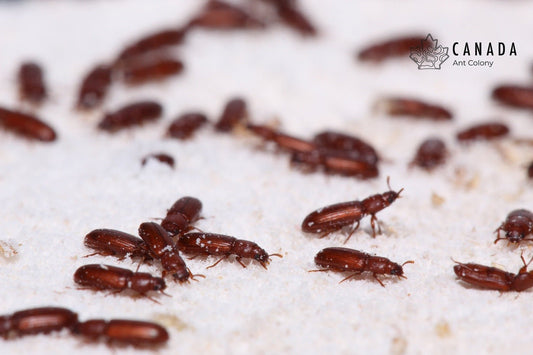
(51, 195)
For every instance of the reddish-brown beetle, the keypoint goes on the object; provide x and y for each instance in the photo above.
(354, 146)
(332, 218)
(123, 331)
(514, 96)
(282, 140)
(218, 244)
(530, 170)
(291, 16)
(36, 321)
(150, 43)
(162, 157)
(430, 154)
(396, 47)
(162, 248)
(94, 87)
(344, 259)
(223, 16)
(116, 243)
(185, 125)
(234, 112)
(395, 106)
(483, 131)
(335, 162)
(143, 72)
(106, 277)
(494, 278)
(31, 83)
(517, 226)
(182, 214)
(131, 115)
(26, 126)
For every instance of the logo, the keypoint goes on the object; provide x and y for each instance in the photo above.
(429, 55)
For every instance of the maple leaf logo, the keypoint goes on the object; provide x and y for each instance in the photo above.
(429, 55)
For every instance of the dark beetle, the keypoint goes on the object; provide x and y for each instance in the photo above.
(182, 214)
(31, 83)
(335, 162)
(357, 147)
(162, 248)
(27, 126)
(94, 87)
(123, 331)
(396, 47)
(106, 277)
(154, 70)
(395, 106)
(334, 217)
(116, 243)
(131, 115)
(152, 42)
(493, 278)
(223, 16)
(291, 16)
(430, 154)
(344, 259)
(161, 157)
(185, 125)
(347, 164)
(36, 321)
(218, 244)
(514, 96)
(234, 112)
(483, 131)
(517, 226)
(282, 140)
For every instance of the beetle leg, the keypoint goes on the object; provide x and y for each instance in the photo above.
(102, 253)
(219, 260)
(351, 232)
(193, 257)
(498, 236)
(325, 234)
(349, 277)
(139, 265)
(114, 292)
(523, 269)
(192, 276)
(195, 228)
(378, 280)
(151, 299)
(240, 262)
(373, 220)
(318, 270)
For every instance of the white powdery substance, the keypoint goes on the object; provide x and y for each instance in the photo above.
(53, 194)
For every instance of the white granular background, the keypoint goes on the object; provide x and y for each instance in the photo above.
(52, 195)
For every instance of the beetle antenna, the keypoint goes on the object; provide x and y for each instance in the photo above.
(408, 262)
(399, 192)
(166, 294)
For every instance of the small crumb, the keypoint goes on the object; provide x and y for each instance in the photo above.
(7, 250)
(464, 179)
(442, 329)
(171, 321)
(473, 182)
(437, 200)
(398, 345)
